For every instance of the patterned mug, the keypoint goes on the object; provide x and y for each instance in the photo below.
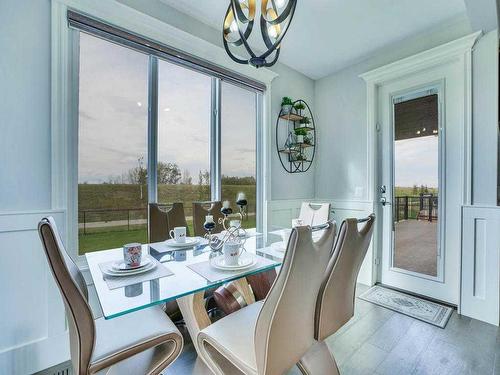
(132, 254)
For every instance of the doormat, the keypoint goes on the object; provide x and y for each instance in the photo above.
(418, 308)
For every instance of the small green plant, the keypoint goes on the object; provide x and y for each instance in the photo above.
(300, 157)
(305, 121)
(286, 101)
(299, 106)
(301, 131)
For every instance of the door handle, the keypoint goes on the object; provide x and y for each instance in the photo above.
(383, 201)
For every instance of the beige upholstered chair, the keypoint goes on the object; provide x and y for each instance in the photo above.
(270, 337)
(162, 219)
(335, 303)
(144, 342)
(314, 213)
(202, 209)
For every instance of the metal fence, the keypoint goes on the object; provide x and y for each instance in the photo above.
(422, 207)
(111, 217)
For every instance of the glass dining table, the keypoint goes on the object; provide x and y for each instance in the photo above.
(183, 283)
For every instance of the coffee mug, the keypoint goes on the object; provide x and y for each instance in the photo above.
(232, 252)
(132, 254)
(178, 234)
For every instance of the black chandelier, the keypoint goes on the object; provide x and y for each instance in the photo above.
(275, 18)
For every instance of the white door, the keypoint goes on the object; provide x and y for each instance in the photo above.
(414, 153)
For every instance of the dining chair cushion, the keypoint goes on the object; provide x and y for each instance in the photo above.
(125, 336)
(233, 337)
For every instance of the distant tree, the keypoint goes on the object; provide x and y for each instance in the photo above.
(168, 173)
(203, 184)
(186, 178)
(415, 189)
(138, 175)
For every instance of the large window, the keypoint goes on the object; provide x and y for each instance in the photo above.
(112, 140)
(197, 133)
(184, 123)
(238, 147)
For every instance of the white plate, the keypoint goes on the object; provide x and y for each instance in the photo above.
(190, 242)
(278, 246)
(110, 272)
(245, 261)
(121, 266)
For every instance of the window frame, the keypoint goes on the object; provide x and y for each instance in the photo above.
(64, 105)
(153, 128)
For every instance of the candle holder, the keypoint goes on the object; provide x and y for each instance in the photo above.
(233, 232)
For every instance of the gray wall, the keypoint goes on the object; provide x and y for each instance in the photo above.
(485, 120)
(288, 83)
(24, 105)
(340, 102)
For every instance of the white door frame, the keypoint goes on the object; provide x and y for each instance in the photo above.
(457, 53)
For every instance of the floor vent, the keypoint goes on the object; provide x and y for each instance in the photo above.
(60, 369)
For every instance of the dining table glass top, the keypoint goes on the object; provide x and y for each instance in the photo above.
(183, 280)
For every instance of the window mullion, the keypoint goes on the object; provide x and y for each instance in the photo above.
(215, 141)
(153, 130)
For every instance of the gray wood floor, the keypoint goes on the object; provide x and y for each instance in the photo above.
(380, 341)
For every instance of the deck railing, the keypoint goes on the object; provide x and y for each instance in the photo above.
(421, 207)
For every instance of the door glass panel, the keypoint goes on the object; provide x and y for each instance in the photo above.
(112, 145)
(416, 181)
(238, 148)
(184, 102)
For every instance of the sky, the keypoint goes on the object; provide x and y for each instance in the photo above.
(113, 116)
(416, 162)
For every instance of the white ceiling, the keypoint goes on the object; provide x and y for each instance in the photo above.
(328, 35)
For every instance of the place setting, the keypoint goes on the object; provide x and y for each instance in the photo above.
(178, 241)
(136, 266)
(228, 257)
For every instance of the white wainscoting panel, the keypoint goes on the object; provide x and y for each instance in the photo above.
(33, 325)
(481, 263)
(281, 212)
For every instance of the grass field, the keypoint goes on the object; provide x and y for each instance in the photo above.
(101, 239)
(123, 196)
(402, 191)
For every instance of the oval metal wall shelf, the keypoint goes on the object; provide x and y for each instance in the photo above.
(296, 157)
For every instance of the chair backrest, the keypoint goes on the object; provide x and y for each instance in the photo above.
(162, 219)
(73, 289)
(202, 209)
(314, 213)
(285, 327)
(335, 303)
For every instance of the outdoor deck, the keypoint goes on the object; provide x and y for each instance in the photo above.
(416, 247)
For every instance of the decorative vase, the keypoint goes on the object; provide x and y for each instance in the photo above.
(286, 108)
(300, 139)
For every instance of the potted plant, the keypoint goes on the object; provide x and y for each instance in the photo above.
(308, 140)
(286, 105)
(299, 107)
(300, 157)
(305, 121)
(300, 133)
